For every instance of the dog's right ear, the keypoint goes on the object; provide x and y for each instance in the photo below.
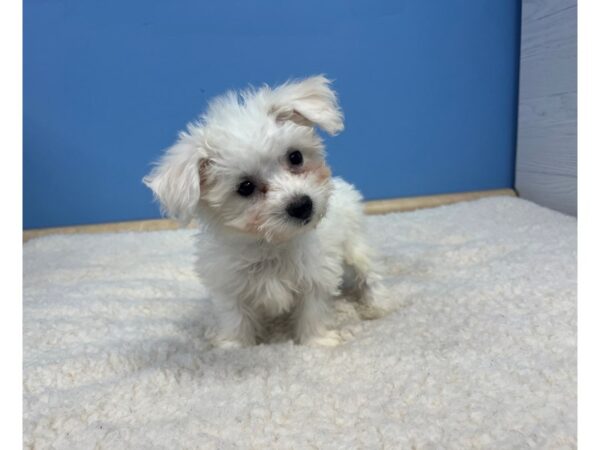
(309, 102)
(175, 180)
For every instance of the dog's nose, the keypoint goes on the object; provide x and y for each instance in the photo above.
(300, 208)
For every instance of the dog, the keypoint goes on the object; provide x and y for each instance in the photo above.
(281, 237)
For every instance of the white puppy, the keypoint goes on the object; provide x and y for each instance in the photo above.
(281, 236)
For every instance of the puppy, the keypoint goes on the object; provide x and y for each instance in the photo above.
(281, 236)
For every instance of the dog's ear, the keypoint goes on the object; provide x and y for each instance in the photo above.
(308, 102)
(175, 180)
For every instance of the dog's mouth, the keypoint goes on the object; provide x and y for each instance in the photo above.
(301, 223)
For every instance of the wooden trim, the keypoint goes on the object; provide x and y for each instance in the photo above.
(371, 207)
(429, 201)
(115, 227)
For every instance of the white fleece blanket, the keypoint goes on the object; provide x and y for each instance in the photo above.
(481, 352)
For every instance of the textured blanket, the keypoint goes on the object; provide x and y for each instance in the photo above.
(480, 352)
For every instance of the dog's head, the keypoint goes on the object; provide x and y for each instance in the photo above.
(254, 162)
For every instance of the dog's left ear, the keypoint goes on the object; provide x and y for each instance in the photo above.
(175, 180)
(309, 102)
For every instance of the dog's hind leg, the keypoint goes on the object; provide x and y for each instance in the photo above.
(362, 282)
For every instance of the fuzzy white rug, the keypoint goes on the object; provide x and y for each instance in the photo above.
(481, 352)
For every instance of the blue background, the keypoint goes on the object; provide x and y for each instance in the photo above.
(429, 90)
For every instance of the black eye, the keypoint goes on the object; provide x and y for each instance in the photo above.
(295, 158)
(246, 188)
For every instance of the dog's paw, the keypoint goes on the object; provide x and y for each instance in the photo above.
(226, 343)
(371, 311)
(219, 340)
(328, 339)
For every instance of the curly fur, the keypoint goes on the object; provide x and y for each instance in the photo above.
(261, 263)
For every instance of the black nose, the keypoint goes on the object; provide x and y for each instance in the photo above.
(301, 208)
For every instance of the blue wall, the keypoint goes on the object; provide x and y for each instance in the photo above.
(428, 87)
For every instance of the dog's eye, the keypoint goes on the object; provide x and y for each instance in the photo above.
(295, 158)
(246, 188)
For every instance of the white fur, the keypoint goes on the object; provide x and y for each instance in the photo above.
(261, 264)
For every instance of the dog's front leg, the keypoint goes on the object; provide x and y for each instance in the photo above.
(237, 325)
(311, 318)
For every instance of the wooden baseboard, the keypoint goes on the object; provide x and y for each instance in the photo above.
(430, 201)
(371, 207)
